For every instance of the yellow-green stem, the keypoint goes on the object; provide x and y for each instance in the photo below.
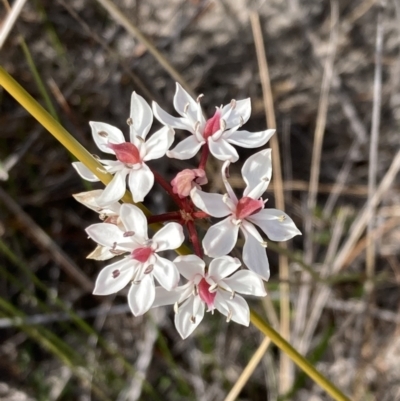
(72, 145)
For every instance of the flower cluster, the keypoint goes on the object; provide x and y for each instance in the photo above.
(193, 283)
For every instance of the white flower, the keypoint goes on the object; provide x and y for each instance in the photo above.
(220, 132)
(109, 214)
(212, 288)
(243, 214)
(143, 264)
(131, 156)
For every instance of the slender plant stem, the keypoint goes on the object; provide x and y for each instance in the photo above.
(63, 136)
(298, 359)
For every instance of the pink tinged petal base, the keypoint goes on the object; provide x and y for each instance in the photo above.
(141, 296)
(220, 238)
(277, 225)
(126, 152)
(255, 256)
(212, 125)
(248, 206)
(84, 172)
(189, 316)
(114, 277)
(205, 294)
(140, 182)
(142, 254)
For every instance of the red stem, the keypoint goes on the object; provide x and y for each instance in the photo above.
(161, 218)
(167, 187)
(204, 156)
(194, 239)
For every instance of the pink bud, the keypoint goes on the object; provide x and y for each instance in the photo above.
(126, 152)
(186, 180)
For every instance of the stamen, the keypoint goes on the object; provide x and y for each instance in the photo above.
(199, 98)
(237, 222)
(282, 218)
(136, 282)
(197, 126)
(233, 295)
(149, 269)
(264, 244)
(213, 287)
(222, 124)
(129, 233)
(195, 291)
(140, 139)
(225, 198)
(193, 319)
(114, 246)
(102, 216)
(185, 109)
(115, 273)
(129, 121)
(103, 134)
(114, 252)
(176, 307)
(233, 104)
(229, 317)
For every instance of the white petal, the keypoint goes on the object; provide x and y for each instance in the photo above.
(239, 115)
(255, 256)
(164, 297)
(105, 234)
(210, 203)
(134, 220)
(101, 253)
(84, 172)
(89, 199)
(141, 296)
(185, 149)
(276, 224)
(166, 273)
(186, 320)
(251, 229)
(189, 266)
(257, 169)
(115, 189)
(247, 139)
(114, 135)
(185, 105)
(222, 267)
(222, 150)
(106, 283)
(169, 237)
(174, 122)
(220, 238)
(158, 143)
(140, 182)
(246, 282)
(236, 309)
(229, 190)
(141, 116)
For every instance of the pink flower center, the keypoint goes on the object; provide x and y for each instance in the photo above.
(126, 152)
(248, 206)
(142, 254)
(205, 295)
(212, 125)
